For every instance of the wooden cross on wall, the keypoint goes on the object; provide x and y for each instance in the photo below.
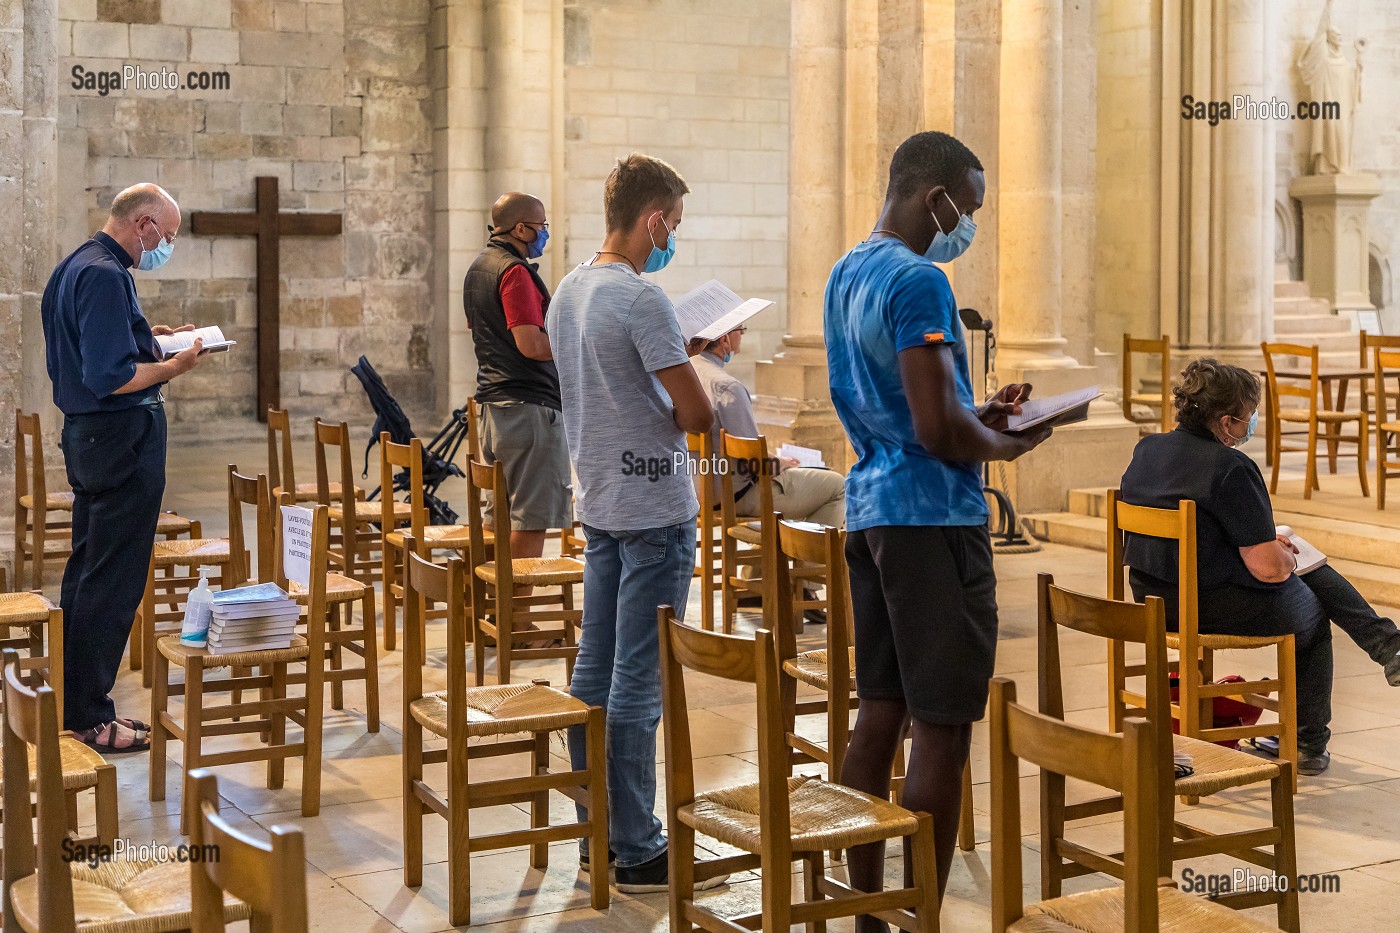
(269, 226)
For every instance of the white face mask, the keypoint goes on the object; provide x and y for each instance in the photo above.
(949, 246)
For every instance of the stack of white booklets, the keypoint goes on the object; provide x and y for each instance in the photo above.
(252, 618)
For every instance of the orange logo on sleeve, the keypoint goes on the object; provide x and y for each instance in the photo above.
(936, 337)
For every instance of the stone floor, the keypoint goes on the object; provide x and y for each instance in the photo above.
(1348, 820)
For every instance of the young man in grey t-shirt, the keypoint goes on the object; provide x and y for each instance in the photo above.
(629, 398)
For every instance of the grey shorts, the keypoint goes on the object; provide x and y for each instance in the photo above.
(529, 440)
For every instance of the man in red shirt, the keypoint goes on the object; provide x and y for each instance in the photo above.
(517, 385)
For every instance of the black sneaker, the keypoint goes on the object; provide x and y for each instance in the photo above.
(1313, 762)
(584, 863)
(655, 875)
(1392, 670)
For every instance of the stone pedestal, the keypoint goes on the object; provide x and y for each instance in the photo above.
(792, 404)
(1335, 237)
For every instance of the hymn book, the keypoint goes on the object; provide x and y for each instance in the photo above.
(1056, 410)
(1309, 557)
(805, 456)
(214, 341)
(711, 310)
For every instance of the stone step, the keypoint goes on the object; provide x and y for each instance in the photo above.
(1286, 325)
(1380, 584)
(1304, 305)
(1290, 290)
(1333, 343)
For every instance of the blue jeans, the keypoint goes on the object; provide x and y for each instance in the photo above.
(626, 575)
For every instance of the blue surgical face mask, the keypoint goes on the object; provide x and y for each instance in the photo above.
(658, 258)
(1248, 431)
(153, 259)
(728, 357)
(949, 246)
(536, 248)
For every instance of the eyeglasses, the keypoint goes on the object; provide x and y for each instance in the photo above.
(536, 223)
(742, 329)
(168, 239)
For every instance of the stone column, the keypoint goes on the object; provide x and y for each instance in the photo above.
(793, 398)
(504, 40)
(40, 188)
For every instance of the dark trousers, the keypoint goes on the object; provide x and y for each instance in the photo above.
(1305, 606)
(116, 466)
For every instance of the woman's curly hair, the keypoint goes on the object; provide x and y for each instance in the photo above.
(1208, 388)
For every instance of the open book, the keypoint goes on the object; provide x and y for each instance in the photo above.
(1056, 410)
(214, 341)
(1309, 557)
(711, 311)
(805, 456)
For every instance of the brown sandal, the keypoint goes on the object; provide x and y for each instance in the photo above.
(92, 738)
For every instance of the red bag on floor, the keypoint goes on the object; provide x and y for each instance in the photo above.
(1227, 711)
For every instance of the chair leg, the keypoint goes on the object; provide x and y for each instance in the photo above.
(277, 728)
(967, 832)
(41, 521)
(596, 758)
(194, 731)
(1380, 471)
(390, 603)
(1285, 850)
(22, 539)
(505, 634)
(413, 808)
(143, 628)
(54, 652)
(925, 875)
(160, 701)
(106, 804)
(459, 861)
(539, 803)
(1288, 705)
(371, 647)
(1310, 482)
(1275, 452)
(334, 615)
(680, 858)
(813, 868)
(311, 735)
(1363, 445)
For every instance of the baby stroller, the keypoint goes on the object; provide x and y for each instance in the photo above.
(438, 454)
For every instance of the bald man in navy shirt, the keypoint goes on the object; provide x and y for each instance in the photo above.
(107, 373)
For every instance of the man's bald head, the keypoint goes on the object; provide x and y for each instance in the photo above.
(141, 200)
(516, 207)
(141, 217)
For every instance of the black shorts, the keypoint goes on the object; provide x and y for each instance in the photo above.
(925, 606)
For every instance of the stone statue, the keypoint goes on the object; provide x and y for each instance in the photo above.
(1329, 76)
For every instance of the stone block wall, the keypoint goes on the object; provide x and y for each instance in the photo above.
(330, 96)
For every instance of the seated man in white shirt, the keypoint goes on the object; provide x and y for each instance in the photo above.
(799, 493)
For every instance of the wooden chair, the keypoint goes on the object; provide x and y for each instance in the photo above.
(269, 878)
(1161, 400)
(1387, 414)
(468, 716)
(1215, 768)
(1314, 417)
(392, 459)
(1125, 763)
(342, 593)
(42, 518)
(747, 569)
(281, 470)
(1367, 344)
(707, 566)
(271, 711)
(1196, 651)
(499, 613)
(781, 818)
(355, 539)
(44, 893)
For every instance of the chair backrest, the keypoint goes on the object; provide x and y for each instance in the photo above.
(1369, 342)
(280, 470)
(1178, 524)
(1125, 763)
(1386, 363)
(29, 463)
(750, 463)
(247, 490)
(1160, 347)
(270, 877)
(337, 436)
(393, 458)
(1288, 388)
(473, 432)
(445, 584)
(824, 545)
(483, 477)
(734, 658)
(31, 718)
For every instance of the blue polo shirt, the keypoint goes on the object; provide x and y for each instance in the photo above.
(94, 331)
(883, 298)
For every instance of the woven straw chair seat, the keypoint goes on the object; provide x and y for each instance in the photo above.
(1219, 768)
(1300, 415)
(123, 896)
(824, 816)
(369, 511)
(53, 501)
(192, 552)
(171, 524)
(1101, 911)
(504, 709)
(78, 761)
(184, 655)
(458, 536)
(339, 589)
(1221, 642)
(747, 533)
(537, 571)
(810, 667)
(23, 608)
(307, 492)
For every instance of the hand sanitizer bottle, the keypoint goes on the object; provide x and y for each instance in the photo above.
(199, 609)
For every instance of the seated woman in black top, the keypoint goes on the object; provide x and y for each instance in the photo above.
(1245, 571)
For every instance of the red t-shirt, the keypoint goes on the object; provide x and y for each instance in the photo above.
(522, 301)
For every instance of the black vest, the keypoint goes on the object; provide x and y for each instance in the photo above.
(503, 373)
